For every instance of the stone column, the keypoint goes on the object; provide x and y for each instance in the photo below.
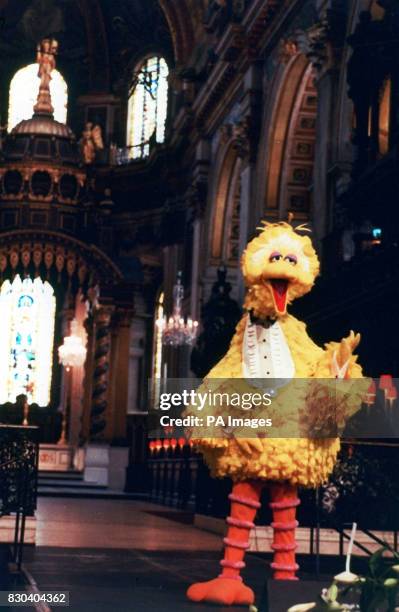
(88, 378)
(120, 373)
(196, 205)
(246, 140)
(66, 315)
(326, 87)
(97, 459)
(322, 44)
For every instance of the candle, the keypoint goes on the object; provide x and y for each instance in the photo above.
(347, 577)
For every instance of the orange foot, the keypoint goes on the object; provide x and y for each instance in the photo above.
(223, 591)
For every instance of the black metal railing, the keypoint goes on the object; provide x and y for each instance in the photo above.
(19, 453)
(178, 477)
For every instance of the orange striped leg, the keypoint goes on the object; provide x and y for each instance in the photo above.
(284, 500)
(228, 588)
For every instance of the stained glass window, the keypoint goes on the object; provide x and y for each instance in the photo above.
(147, 107)
(24, 89)
(27, 313)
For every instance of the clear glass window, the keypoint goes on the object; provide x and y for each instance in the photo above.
(24, 89)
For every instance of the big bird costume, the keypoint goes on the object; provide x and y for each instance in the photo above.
(278, 265)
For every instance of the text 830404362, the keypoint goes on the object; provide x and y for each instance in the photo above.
(24, 598)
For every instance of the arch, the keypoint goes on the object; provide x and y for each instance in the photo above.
(290, 161)
(147, 105)
(23, 92)
(181, 28)
(226, 213)
(51, 254)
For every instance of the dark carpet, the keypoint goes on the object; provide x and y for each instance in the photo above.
(104, 580)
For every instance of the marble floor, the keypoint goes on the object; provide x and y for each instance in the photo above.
(102, 523)
(122, 555)
(126, 555)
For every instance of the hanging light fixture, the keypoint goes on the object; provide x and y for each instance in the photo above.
(71, 354)
(176, 331)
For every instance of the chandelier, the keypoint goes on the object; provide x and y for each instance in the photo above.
(176, 331)
(72, 353)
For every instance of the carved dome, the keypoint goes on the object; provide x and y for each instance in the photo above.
(43, 124)
(42, 139)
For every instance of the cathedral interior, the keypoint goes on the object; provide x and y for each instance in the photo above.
(142, 143)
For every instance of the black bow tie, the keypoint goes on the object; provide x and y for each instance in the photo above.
(267, 322)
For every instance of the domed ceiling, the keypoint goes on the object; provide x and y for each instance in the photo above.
(99, 41)
(135, 28)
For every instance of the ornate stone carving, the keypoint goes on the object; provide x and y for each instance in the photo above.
(28, 253)
(242, 137)
(288, 48)
(91, 142)
(314, 43)
(225, 131)
(99, 405)
(323, 41)
(196, 199)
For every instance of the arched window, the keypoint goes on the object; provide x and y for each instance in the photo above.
(24, 89)
(27, 313)
(147, 106)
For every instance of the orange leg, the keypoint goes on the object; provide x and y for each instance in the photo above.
(284, 500)
(228, 588)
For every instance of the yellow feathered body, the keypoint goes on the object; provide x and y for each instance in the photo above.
(299, 458)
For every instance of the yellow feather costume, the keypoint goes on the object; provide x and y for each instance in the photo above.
(279, 254)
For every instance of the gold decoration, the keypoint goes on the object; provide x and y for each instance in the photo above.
(48, 258)
(14, 259)
(46, 52)
(91, 142)
(3, 262)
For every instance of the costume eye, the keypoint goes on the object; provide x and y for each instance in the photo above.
(275, 256)
(292, 259)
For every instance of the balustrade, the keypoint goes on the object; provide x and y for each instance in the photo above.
(363, 487)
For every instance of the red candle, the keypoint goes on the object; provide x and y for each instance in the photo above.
(371, 392)
(385, 381)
